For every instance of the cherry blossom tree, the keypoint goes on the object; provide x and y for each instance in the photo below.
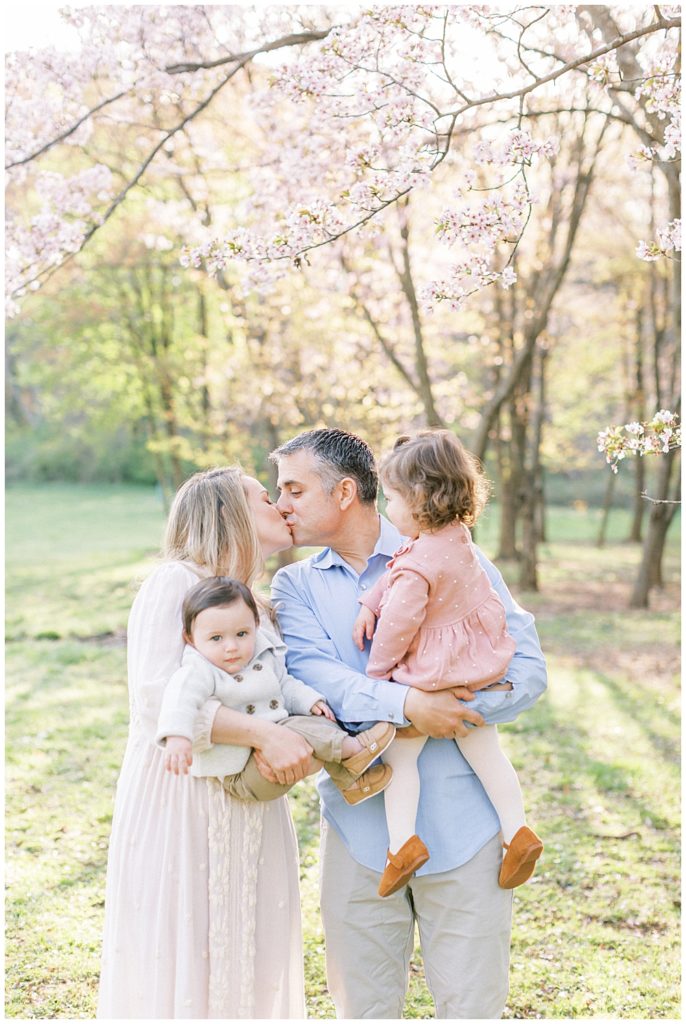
(346, 119)
(382, 93)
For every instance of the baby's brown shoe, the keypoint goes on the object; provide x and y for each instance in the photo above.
(520, 858)
(374, 741)
(402, 865)
(373, 781)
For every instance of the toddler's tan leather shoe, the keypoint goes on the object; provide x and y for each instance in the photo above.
(402, 865)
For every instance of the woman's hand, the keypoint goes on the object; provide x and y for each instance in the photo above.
(363, 626)
(178, 755)
(283, 756)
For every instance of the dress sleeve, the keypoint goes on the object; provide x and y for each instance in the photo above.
(403, 612)
(155, 648)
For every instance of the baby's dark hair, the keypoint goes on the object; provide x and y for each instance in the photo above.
(438, 478)
(215, 592)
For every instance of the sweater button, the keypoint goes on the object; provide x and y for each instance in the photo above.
(257, 667)
(238, 678)
(273, 704)
(250, 709)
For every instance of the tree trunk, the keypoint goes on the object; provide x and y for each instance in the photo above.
(636, 530)
(661, 515)
(532, 495)
(508, 491)
(607, 506)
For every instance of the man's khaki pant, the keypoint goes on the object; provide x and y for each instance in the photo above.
(464, 921)
(326, 739)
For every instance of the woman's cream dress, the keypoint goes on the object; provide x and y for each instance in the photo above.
(202, 912)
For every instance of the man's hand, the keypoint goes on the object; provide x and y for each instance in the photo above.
(441, 714)
(285, 757)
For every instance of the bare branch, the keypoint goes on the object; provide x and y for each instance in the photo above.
(296, 39)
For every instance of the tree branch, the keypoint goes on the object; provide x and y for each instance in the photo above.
(137, 176)
(295, 39)
(67, 133)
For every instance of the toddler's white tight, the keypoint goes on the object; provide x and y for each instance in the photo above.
(402, 793)
(482, 750)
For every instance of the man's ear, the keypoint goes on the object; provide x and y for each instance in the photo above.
(347, 492)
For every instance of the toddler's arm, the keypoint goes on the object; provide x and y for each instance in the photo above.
(403, 612)
(363, 626)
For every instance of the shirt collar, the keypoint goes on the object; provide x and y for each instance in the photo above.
(388, 541)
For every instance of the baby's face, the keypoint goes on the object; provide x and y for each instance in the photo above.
(226, 635)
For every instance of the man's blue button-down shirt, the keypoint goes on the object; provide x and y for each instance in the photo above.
(317, 602)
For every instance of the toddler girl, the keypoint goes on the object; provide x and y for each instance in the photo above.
(231, 658)
(440, 624)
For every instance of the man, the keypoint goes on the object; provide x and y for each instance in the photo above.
(328, 485)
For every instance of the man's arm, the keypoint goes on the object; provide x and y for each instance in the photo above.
(313, 658)
(527, 670)
(354, 697)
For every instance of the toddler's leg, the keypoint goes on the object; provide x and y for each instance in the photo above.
(482, 750)
(402, 794)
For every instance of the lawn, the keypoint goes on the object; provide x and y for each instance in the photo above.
(596, 932)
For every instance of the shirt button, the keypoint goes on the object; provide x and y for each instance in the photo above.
(363, 586)
(250, 709)
(257, 667)
(273, 704)
(238, 678)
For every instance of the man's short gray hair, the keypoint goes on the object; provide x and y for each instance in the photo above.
(338, 454)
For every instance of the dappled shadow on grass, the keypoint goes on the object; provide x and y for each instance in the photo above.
(601, 787)
(601, 732)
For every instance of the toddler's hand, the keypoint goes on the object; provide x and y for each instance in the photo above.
(178, 756)
(363, 627)
(322, 708)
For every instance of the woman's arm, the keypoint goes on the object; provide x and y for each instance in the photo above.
(285, 757)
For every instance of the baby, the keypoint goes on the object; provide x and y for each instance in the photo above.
(230, 657)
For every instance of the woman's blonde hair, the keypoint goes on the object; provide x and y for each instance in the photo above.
(210, 524)
(438, 478)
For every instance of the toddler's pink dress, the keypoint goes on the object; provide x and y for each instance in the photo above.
(440, 623)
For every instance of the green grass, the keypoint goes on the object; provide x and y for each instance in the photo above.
(596, 932)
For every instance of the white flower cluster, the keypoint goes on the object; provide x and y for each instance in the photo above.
(668, 242)
(658, 436)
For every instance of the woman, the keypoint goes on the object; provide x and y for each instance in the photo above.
(202, 911)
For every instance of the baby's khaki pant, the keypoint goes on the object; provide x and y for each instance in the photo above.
(464, 921)
(326, 739)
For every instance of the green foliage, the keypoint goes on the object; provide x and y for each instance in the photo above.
(78, 456)
(596, 932)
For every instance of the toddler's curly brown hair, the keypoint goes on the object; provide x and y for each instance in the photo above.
(438, 478)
